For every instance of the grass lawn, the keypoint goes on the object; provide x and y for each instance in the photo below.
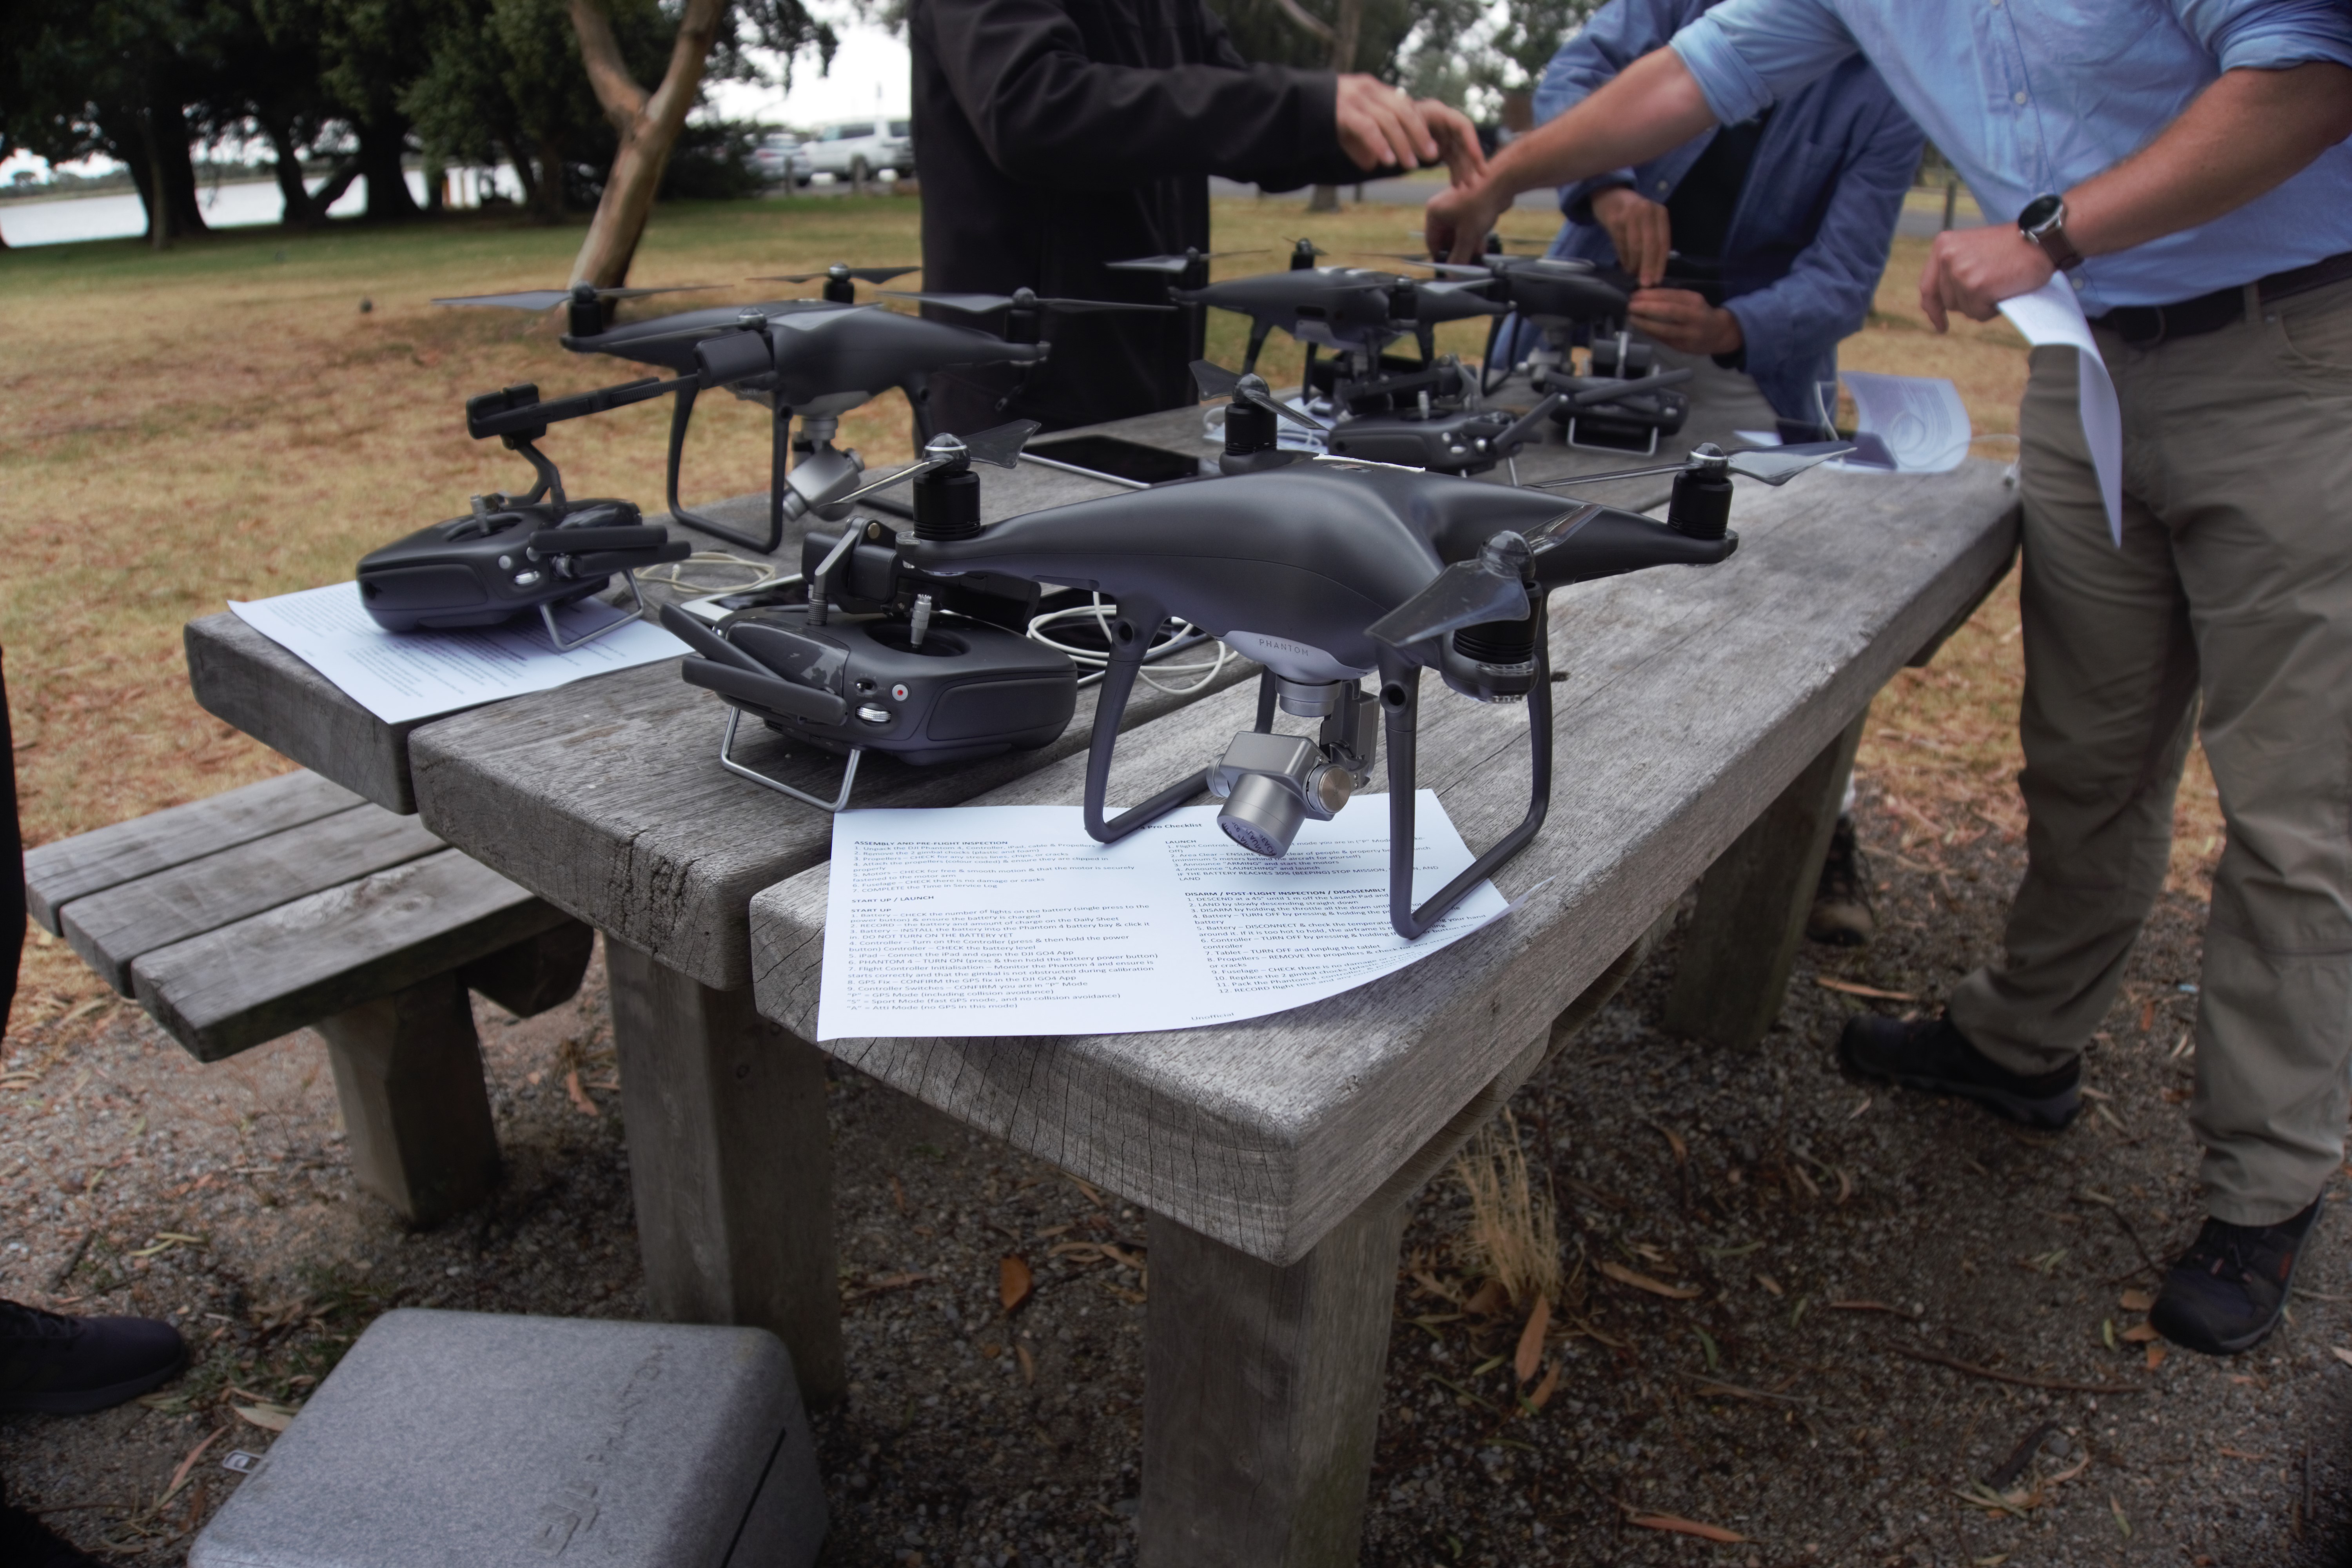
(249, 414)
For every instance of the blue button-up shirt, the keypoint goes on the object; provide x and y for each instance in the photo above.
(1807, 236)
(2027, 96)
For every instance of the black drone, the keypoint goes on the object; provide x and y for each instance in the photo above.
(826, 357)
(884, 655)
(1329, 570)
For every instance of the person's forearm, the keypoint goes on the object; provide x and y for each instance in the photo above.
(1653, 106)
(2248, 132)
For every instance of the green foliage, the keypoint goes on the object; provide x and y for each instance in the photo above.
(1435, 48)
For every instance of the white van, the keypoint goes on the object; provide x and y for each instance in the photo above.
(859, 150)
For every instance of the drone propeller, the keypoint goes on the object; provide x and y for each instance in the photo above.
(548, 298)
(1000, 446)
(1773, 464)
(1494, 587)
(1215, 381)
(1172, 265)
(1020, 298)
(863, 273)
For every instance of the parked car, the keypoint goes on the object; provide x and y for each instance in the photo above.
(775, 157)
(861, 149)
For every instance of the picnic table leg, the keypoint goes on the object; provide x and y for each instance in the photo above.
(408, 1076)
(1742, 939)
(1261, 1394)
(730, 1164)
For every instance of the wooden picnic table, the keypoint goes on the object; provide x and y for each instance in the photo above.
(1704, 731)
(605, 798)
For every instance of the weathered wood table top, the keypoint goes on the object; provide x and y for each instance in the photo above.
(1692, 699)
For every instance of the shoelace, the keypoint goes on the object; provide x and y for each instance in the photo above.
(20, 1321)
(2228, 1247)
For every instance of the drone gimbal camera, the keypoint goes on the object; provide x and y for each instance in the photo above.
(1329, 572)
(885, 657)
(516, 554)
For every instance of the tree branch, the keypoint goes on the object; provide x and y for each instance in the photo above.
(1295, 11)
(617, 91)
(697, 31)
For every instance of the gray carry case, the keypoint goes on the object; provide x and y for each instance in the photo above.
(490, 1441)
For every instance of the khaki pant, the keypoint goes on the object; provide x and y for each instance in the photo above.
(2233, 584)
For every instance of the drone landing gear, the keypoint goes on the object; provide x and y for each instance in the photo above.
(1399, 699)
(741, 771)
(636, 613)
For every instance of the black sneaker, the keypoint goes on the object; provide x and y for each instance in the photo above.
(1931, 1055)
(2226, 1292)
(71, 1366)
(1840, 915)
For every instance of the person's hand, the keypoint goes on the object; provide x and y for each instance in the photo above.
(1972, 270)
(1381, 125)
(1460, 217)
(1685, 321)
(1639, 228)
(1456, 138)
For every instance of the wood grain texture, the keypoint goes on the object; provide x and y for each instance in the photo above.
(607, 799)
(1742, 939)
(1692, 698)
(730, 1163)
(56, 874)
(409, 1077)
(1262, 1396)
(242, 677)
(111, 928)
(271, 973)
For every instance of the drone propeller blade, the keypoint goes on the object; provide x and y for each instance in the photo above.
(863, 273)
(1081, 307)
(1450, 270)
(1467, 593)
(665, 289)
(1001, 446)
(1214, 379)
(1779, 465)
(969, 304)
(523, 300)
(1593, 396)
(1174, 264)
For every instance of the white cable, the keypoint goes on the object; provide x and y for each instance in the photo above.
(1090, 660)
(764, 574)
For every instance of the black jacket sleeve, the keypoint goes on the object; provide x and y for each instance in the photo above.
(1051, 112)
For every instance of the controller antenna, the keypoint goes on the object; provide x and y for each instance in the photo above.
(947, 498)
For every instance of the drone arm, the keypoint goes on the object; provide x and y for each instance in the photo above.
(1131, 631)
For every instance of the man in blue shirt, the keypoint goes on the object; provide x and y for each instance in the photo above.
(1792, 210)
(2182, 163)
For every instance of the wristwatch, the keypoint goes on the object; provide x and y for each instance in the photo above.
(2043, 222)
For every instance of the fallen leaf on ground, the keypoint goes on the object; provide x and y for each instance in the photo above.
(1667, 1522)
(1082, 1251)
(2229, 1452)
(587, 1107)
(1429, 1282)
(2155, 1357)
(1093, 1192)
(1857, 1110)
(2340, 1353)
(1674, 1141)
(1488, 1299)
(2139, 1333)
(1028, 1363)
(180, 1476)
(1770, 1284)
(1542, 1395)
(897, 1192)
(1624, 1275)
(1122, 1256)
(2138, 1300)
(1531, 1338)
(1852, 989)
(269, 1417)
(1013, 1281)
(1867, 1306)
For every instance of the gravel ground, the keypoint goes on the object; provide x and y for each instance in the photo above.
(1825, 1242)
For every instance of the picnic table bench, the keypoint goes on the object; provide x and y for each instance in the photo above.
(290, 902)
(1703, 730)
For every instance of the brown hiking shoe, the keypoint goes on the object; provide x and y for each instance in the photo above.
(1840, 915)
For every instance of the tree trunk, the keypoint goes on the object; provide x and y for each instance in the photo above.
(518, 159)
(648, 126)
(153, 190)
(293, 192)
(436, 184)
(547, 201)
(380, 146)
(1349, 28)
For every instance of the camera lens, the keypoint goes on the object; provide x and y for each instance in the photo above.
(1262, 816)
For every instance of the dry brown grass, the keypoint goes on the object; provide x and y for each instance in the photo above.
(223, 421)
(1513, 1234)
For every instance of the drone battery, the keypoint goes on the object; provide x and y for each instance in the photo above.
(968, 691)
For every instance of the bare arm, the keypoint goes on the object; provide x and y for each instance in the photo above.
(2249, 132)
(1652, 106)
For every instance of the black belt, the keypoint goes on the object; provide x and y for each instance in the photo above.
(2145, 326)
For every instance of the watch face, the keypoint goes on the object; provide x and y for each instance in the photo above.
(2037, 212)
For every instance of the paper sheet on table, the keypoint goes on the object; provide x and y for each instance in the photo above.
(2052, 314)
(1008, 920)
(1920, 418)
(401, 676)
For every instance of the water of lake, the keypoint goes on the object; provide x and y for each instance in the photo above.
(244, 204)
